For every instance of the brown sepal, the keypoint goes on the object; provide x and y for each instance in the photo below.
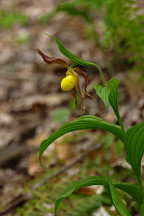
(75, 96)
(50, 60)
(82, 95)
(84, 74)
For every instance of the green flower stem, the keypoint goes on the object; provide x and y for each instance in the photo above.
(120, 122)
(73, 65)
(101, 74)
(98, 68)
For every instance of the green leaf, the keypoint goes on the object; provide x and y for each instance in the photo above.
(109, 94)
(117, 201)
(114, 99)
(114, 96)
(131, 189)
(103, 93)
(70, 55)
(94, 180)
(84, 122)
(135, 147)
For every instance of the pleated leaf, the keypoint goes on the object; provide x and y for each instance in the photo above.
(117, 201)
(76, 185)
(109, 94)
(95, 180)
(84, 122)
(114, 96)
(103, 93)
(70, 55)
(131, 189)
(135, 147)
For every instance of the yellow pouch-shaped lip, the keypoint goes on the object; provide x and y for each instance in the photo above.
(69, 82)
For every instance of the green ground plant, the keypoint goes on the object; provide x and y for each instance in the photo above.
(8, 19)
(133, 138)
(121, 31)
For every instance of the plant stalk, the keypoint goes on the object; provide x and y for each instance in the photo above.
(120, 122)
(101, 74)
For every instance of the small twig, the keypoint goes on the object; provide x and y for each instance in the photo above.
(19, 200)
(64, 168)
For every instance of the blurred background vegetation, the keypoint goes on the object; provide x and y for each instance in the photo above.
(116, 27)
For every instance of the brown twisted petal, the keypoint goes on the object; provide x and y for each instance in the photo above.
(50, 60)
(84, 74)
(82, 95)
(75, 96)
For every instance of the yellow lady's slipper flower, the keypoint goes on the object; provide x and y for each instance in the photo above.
(69, 81)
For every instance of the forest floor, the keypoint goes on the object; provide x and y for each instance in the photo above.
(31, 103)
